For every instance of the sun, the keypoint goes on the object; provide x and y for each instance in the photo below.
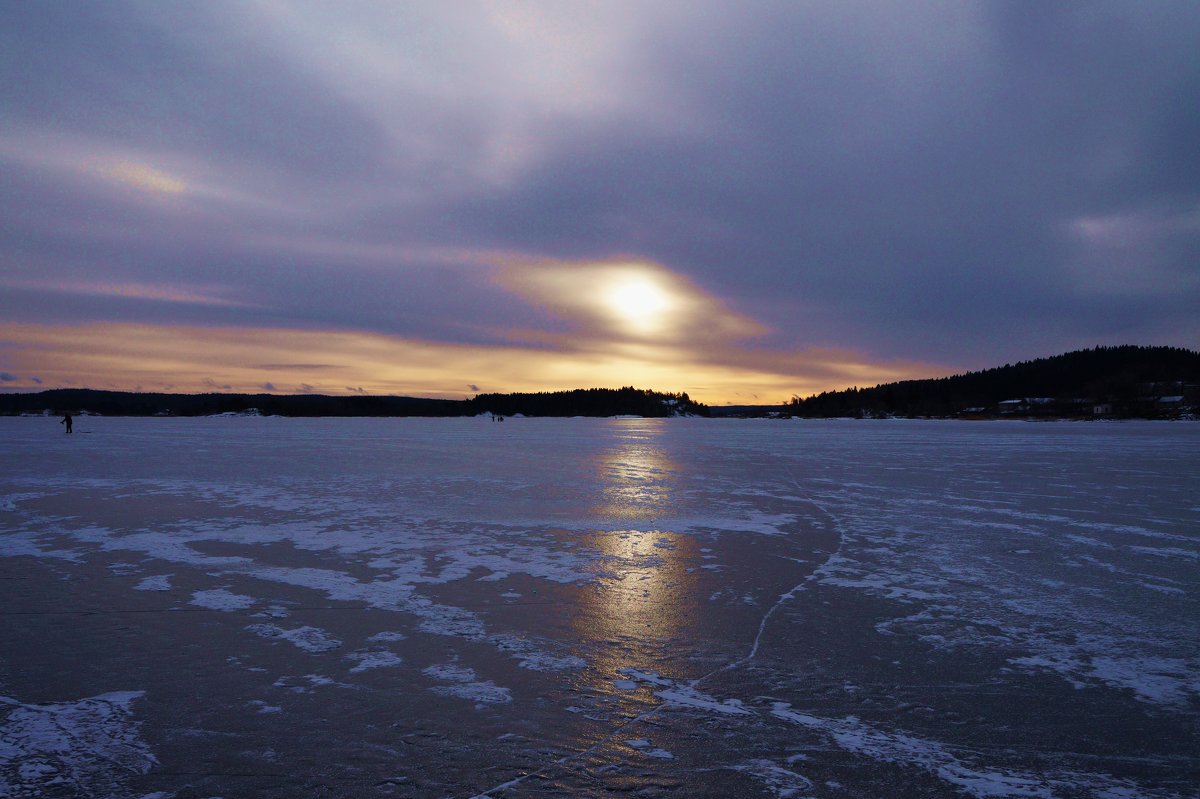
(639, 302)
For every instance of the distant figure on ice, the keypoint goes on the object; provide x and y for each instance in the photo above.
(67, 421)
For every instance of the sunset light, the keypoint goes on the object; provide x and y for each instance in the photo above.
(523, 192)
(640, 303)
(515, 398)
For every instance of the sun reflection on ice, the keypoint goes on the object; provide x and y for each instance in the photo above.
(646, 596)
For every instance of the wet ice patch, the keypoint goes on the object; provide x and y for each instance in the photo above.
(464, 685)
(157, 582)
(90, 747)
(222, 599)
(368, 659)
(310, 639)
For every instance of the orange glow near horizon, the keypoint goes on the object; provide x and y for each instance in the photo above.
(182, 359)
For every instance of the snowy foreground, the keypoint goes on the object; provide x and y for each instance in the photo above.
(549, 607)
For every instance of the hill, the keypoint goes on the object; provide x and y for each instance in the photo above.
(1117, 382)
(581, 402)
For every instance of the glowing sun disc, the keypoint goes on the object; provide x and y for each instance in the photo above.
(638, 302)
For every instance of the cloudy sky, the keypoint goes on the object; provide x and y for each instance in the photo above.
(742, 200)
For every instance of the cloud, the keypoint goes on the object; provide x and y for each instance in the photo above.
(135, 291)
(473, 387)
(954, 185)
(8, 377)
(210, 358)
(144, 177)
(627, 301)
(268, 387)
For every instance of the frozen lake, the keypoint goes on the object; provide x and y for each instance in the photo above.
(548, 607)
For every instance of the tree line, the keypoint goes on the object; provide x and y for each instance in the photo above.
(1128, 380)
(580, 402)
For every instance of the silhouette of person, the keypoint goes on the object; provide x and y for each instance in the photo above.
(67, 421)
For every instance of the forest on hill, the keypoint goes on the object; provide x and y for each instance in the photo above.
(1104, 382)
(627, 401)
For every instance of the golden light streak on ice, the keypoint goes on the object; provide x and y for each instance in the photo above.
(647, 591)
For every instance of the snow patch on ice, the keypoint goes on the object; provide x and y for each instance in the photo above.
(784, 783)
(374, 659)
(1153, 679)
(310, 639)
(25, 544)
(529, 656)
(677, 694)
(388, 635)
(90, 747)
(156, 582)
(651, 677)
(306, 683)
(219, 599)
(860, 738)
(464, 685)
(685, 696)
(648, 749)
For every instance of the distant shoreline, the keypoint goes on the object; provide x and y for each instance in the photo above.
(627, 401)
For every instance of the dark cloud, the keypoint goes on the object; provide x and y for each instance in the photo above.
(8, 377)
(911, 202)
(178, 78)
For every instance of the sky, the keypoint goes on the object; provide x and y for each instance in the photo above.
(742, 200)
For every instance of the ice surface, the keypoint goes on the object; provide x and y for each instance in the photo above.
(214, 599)
(374, 659)
(155, 582)
(90, 747)
(708, 608)
(464, 685)
(310, 639)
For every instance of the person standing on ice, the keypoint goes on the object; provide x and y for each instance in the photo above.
(67, 420)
